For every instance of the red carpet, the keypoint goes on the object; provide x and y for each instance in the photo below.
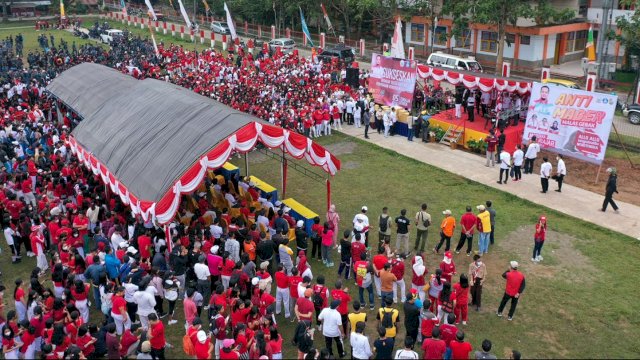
(476, 129)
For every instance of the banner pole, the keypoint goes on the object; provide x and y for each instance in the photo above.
(598, 174)
(622, 143)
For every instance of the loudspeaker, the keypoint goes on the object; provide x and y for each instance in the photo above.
(353, 77)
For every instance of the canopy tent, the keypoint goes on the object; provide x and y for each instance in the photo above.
(472, 80)
(152, 141)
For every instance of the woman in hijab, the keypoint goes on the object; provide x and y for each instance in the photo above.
(303, 268)
(418, 279)
(333, 219)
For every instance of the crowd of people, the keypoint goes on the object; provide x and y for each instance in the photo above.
(117, 282)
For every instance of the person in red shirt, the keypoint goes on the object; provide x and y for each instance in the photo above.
(357, 248)
(448, 267)
(144, 244)
(433, 347)
(304, 306)
(448, 330)
(467, 226)
(156, 336)
(342, 294)
(282, 291)
(227, 352)
(539, 238)
(129, 341)
(203, 346)
(86, 342)
(460, 349)
(461, 291)
(119, 311)
(513, 289)
(363, 273)
(378, 264)
(397, 269)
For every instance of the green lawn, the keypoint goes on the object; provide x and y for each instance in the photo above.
(579, 303)
(31, 38)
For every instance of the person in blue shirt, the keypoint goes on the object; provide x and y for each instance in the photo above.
(111, 263)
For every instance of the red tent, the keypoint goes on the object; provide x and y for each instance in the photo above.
(473, 80)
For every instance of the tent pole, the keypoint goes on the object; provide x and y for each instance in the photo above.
(328, 194)
(246, 164)
(283, 174)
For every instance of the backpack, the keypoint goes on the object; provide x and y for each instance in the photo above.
(187, 346)
(425, 221)
(387, 319)
(384, 224)
(317, 299)
(447, 306)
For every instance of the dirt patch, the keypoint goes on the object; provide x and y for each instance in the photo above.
(561, 259)
(350, 165)
(583, 175)
(341, 148)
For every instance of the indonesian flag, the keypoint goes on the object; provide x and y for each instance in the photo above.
(326, 17)
(397, 45)
(590, 47)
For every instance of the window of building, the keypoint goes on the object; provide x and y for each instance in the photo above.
(525, 40)
(417, 33)
(489, 41)
(576, 41)
(464, 40)
(511, 39)
(440, 36)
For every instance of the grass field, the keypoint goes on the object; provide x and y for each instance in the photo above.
(580, 302)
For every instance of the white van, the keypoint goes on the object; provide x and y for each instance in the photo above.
(453, 62)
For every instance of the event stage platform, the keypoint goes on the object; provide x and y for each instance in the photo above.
(476, 130)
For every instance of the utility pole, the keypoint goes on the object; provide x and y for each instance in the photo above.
(603, 42)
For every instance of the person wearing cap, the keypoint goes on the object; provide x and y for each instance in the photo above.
(446, 231)
(448, 266)
(203, 346)
(363, 220)
(304, 306)
(331, 322)
(38, 247)
(539, 238)
(145, 351)
(612, 187)
(513, 289)
(397, 268)
(477, 275)
(227, 351)
(483, 225)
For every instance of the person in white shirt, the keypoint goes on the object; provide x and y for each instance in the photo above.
(361, 220)
(407, 352)
(518, 159)
(8, 237)
(360, 347)
(203, 275)
(357, 116)
(146, 301)
(530, 156)
(349, 107)
(331, 328)
(545, 174)
(505, 165)
(387, 122)
(561, 172)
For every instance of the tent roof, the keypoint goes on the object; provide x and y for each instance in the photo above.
(145, 136)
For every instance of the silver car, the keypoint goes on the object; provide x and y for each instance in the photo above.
(220, 27)
(285, 44)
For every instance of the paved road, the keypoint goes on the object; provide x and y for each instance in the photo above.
(625, 127)
(573, 201)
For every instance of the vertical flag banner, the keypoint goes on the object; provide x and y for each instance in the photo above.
(326, 17)
(591, 46)
(305, 29)
(206, 7)
(230, 24)
(152, 13)
(572, 122)
(184, 14)
(124, 7)
(61, 8)
(397, 45)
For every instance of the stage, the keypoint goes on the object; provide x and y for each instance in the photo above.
(475, 130)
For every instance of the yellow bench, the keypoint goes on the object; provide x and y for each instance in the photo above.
(300, 212)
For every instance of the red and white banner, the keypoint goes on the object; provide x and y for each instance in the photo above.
(471, 81)
(392, 81)
(571, 122)
(242, 141)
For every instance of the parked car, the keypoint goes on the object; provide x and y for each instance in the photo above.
(632, 112)
(220, 27)
(108, 35)
(454, 62)
(285, 44)
(561, 82)
(342, 53)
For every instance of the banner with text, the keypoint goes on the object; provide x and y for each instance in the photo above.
(392, 80)
(571, 122)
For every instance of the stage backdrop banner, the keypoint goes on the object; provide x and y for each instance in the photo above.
(571, 122)
(392, 80)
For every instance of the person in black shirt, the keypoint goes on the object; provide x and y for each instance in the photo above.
(265, 249)
(411, 317)
(383, 346)
(345, 254)
(301, 237)
(402, 232)
(179, 261)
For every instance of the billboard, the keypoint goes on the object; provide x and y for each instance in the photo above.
(571, 122)
(392, 80)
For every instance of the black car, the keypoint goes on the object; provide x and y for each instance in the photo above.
(632, 112)
(343, 53)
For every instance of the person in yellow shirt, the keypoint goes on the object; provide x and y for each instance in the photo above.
(446, 230)
(356, 316)
(388, 318)
(484, 226)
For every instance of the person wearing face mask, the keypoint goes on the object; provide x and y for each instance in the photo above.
(477, 275)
